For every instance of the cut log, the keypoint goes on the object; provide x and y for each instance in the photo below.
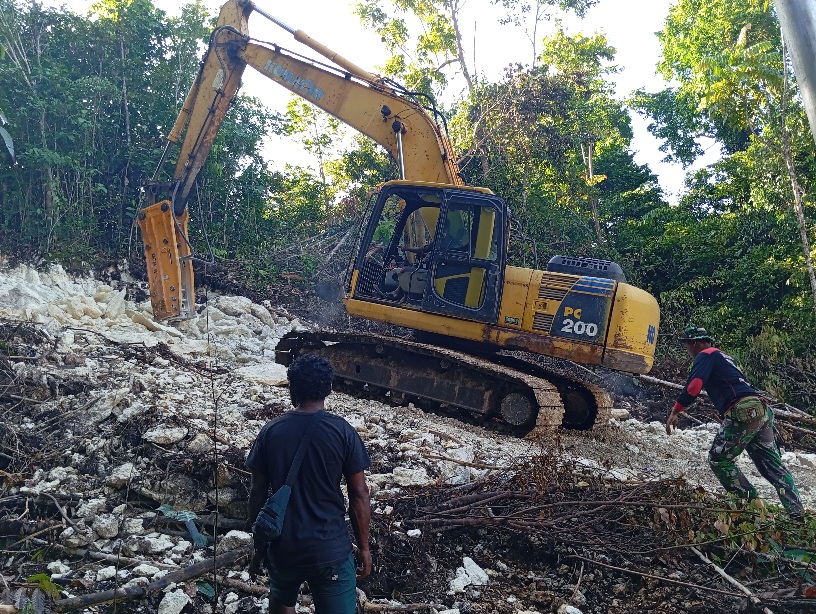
(182, 575)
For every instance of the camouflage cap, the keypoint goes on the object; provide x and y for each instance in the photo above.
(695, 333)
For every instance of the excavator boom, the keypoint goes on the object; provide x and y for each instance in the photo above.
(364, 101)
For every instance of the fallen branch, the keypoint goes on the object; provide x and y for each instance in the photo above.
(406, 607)
(101, 556)
(340, 243)
(182, 575)
(61, 509)
(614, 503)
(795, 410)
(124, 560)
(662, 382)
(244, 587)
(35, 534)
(733, 582)
(653, 577)
(19, 398)
(464, 463)
(787, 411)
(793, 427)
(577, 584)
(446, 436)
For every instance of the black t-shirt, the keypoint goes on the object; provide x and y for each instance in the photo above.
(314, 530)
(717, 373)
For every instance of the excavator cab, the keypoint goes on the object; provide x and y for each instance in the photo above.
(440, 250)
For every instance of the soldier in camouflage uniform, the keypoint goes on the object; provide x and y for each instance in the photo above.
(747, 421)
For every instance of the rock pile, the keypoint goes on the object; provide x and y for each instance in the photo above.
(135, 435)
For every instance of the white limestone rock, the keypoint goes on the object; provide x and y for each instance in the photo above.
(200, 444)
(106, 526)
(406, 476)
(137, 581)
(165, 435)
(477, 575)
(121, 475)
(457, 473)
(157, 542)
(145, 570)
(90, 508)
(222, 497)
(58, 568)
(173, 602)
(133, 526)
(232, 540)
(470, 574)
(619, 413)
(106, 573)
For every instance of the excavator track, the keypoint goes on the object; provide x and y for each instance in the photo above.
(526, 397)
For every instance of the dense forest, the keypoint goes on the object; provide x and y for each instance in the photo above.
(86, 100)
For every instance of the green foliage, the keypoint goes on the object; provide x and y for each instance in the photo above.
(88, 115)
(759, 528)
(45, 584)
(532, 132)
(674, 120)
(436, 45)
(727, 57)
(729, 256)
(732, 532)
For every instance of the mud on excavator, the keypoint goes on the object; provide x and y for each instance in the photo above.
(431, 256)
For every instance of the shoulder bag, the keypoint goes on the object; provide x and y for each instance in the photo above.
(269, 523)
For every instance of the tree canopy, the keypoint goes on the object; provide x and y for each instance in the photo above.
(85, 102)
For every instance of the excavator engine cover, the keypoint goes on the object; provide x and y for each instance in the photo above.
(594, 267)
(169, 269)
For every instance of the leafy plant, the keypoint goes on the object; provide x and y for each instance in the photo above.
(45, 584)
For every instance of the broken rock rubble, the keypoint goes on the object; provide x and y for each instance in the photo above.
(156, 422)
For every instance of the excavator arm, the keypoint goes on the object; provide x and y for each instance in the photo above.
(362, 100)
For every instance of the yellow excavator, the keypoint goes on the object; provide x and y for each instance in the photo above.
(431, 256)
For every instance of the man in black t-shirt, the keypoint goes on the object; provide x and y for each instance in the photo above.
(315, 545)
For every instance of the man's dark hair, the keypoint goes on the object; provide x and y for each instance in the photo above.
(310, 378)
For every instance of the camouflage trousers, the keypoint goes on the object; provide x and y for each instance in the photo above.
(749, 426)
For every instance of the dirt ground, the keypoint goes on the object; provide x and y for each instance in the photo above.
(118, 434)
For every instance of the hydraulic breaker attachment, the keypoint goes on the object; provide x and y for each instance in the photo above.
(169, 268)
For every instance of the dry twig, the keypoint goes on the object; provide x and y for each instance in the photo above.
(753, 598)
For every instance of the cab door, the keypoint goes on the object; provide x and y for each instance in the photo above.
(468, 258)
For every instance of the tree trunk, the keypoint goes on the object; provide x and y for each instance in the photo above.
(797, 190)
(47, 187)
(453, 6)
(588, 154)
(126, 170)
(800, 213)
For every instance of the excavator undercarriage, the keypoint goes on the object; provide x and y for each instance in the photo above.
(521, 395)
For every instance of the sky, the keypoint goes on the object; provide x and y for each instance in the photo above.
(629, 25)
